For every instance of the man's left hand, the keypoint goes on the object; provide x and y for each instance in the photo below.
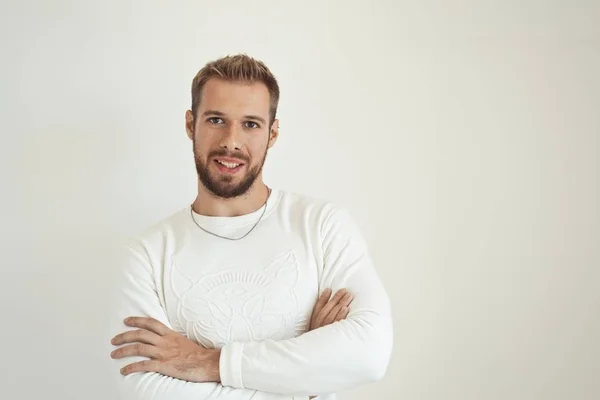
(169, 353)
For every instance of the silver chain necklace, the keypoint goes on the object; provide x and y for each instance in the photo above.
(228, 238)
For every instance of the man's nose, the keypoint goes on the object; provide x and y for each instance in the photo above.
(231, 138)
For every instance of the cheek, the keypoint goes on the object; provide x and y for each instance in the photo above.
(202, 143)
(257, 152)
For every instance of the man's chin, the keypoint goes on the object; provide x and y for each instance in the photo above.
(226, 193)
(228, 190)
(226, 185)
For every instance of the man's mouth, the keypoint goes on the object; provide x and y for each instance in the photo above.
(229, 166)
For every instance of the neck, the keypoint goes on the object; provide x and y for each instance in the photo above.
(206, 203)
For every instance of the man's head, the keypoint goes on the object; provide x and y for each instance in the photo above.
(232, 123)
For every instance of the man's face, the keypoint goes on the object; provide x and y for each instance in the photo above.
(231, 135)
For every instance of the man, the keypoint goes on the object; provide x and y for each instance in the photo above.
(230, 297)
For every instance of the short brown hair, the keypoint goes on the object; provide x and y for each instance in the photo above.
(236, 68)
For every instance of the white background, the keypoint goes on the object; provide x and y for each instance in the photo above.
(463, 135)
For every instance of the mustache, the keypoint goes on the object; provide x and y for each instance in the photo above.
(227, 153)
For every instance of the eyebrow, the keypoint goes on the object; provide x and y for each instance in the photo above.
(221, 114)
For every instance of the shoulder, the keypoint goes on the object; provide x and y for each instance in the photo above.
(158, 234)
(331, 224)
(320, 212)
(303, 203)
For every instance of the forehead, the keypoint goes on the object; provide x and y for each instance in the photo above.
(235, 98)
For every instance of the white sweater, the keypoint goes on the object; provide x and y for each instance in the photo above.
(253, 299)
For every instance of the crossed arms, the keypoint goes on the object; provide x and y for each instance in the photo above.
(351, 352)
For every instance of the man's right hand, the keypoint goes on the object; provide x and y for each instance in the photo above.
(329, 310)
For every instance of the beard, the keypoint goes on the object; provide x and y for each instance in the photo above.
(223, 185)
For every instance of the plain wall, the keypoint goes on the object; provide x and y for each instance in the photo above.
(464, 137)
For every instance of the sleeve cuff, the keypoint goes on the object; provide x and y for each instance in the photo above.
(230, 365)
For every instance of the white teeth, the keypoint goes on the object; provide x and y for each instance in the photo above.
(228, 165)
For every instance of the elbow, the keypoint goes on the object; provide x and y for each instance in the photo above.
(378, 356)
(376, 365)
(376, 372)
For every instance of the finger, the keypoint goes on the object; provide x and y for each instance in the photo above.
(149, 324)
(342, 314)
(344, 301)
(329, 306)
(323, 299)
(137, 349)
(319, 305)
(339, 295)
(330, 318)
(347, 299)
(141, 366)
(139, 335)
(333, 314)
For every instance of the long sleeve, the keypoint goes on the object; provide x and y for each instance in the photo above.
(135, 293)
(336, 357)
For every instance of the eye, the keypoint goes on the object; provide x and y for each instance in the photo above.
(215, 120)
(251, 125)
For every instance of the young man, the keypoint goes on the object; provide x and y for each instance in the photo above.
(229, 298)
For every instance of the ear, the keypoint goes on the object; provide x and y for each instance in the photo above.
(189, 124)
(274, 133)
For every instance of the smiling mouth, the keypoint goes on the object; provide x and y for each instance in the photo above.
(228, 167)
(229, 164)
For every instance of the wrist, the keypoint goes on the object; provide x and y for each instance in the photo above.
(206, 364)
(213, 363)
